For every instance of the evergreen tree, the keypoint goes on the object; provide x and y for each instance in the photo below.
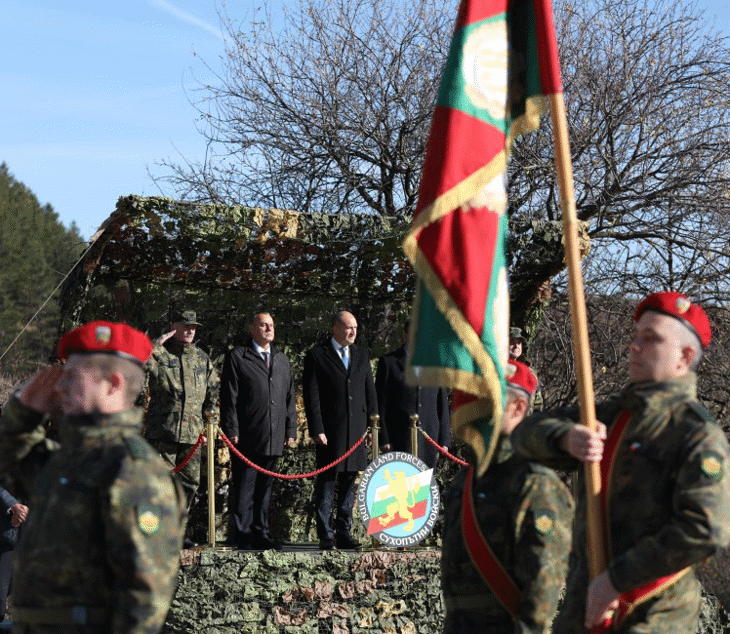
(36, 251)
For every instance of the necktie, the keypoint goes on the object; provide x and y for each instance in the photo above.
(266, 358)
(345, 358)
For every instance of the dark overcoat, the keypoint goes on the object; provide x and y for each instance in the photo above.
(397, 401)
(8, 532)
(339, 403)
(258, 404)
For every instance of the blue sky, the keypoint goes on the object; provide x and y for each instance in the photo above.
(93, 93)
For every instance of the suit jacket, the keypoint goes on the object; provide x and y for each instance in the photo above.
(8, 532)
(397, 401)
(258, 404)
(339, 403)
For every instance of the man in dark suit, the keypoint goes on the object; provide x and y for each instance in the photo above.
(258, 414)
(12, 515)
(339, 397)
(397, 401)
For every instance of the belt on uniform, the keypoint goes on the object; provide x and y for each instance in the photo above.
(73, 615)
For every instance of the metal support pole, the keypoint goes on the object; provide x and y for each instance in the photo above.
(375, 435)
(414, 434)
(211, 436)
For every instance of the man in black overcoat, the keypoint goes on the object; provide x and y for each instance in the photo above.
(397, 401)
(12, 515)
(258, 414)
(339, 398)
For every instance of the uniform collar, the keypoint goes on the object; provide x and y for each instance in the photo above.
(653, 394)
(76, 428)
(177, 347)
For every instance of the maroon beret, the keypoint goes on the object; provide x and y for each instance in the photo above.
(680, 307)
(106, 336)
(519, 375)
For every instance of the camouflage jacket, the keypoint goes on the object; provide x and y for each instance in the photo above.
(669, 498)
(525, 513)
(182, 389)
(103, 535)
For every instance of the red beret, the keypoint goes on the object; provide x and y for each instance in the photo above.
(679, 306)
(106, 336)
(519, 375)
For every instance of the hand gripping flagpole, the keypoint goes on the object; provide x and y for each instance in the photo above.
(552, 86)
(581, 351)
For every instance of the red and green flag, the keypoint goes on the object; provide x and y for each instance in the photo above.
(503, 60)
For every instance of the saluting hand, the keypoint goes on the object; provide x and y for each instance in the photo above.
(39, 393)
(584, 444)
(163, 338)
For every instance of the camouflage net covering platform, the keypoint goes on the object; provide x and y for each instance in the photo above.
(336, 592)
(154, 255)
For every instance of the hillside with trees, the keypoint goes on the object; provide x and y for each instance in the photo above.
(36, 252)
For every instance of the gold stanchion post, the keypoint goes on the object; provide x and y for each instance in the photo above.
(414, 434)
(211, 436)
(375, 435)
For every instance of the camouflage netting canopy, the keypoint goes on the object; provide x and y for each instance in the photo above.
(155, 254)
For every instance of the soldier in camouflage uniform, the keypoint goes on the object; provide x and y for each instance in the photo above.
(517, 351)
(182, 389)
(524, 512)
(100, 549)
(666, 492)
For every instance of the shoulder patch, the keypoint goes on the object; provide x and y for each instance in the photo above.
(711, 464)
(544, 521)
(138, 449)
(148, 519)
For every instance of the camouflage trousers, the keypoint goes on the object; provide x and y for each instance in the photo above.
(174, 453)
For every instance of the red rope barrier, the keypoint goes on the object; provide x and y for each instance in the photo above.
(445, 452)
(201, 438)
(296, 476)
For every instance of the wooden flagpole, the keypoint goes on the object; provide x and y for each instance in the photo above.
(595, 530)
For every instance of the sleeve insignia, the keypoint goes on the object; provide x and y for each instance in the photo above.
(148, 520)
(711, 465)
(544, 521)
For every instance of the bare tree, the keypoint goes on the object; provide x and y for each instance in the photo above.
(332, 114)
(645, 87)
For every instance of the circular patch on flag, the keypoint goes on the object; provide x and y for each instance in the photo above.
(682, 304)
(484, 69)
(711, 465)
(544, 521)
(148, 520)
(398, 499)
(103, 334)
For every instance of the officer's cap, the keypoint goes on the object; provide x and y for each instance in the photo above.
(680, 307)
(108, 337)
(521, 377)
(187, 317)
(516, 333)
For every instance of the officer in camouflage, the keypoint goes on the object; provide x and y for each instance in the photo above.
(518, 352)
(182, 390)
(504, 562)
(666, 492)
(100, 549)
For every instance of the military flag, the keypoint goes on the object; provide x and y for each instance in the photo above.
(503, 59)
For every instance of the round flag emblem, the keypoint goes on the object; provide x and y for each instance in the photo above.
(398, 499)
